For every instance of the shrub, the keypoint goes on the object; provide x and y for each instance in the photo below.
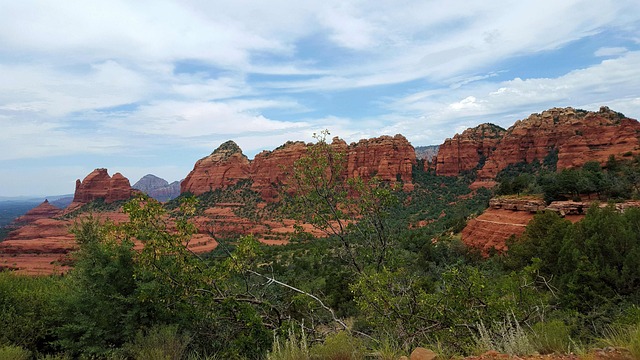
(506, 336)
(625, 337)
(160, 343)
(294, 348)
(340, 346)
(551, 337)
(14, 353)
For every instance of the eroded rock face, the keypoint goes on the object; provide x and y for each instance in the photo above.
(508, 217)
(224, 167)
(389, 158)
(578, 136)
(43, 211)
(468, 150)
(99, 185)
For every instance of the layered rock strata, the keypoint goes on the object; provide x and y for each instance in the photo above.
(577, 136)
(508, 217)
(99, 185)
(467, 151)
(389, 158)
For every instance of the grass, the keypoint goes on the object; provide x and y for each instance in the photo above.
(506, 336)
(14, 353)
(625, 337)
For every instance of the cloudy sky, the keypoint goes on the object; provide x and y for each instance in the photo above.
(152, 86)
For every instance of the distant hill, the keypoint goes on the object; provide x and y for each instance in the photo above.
(426, 152)
(158, 188)
(11, 209)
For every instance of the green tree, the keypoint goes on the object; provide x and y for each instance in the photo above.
(347, 207)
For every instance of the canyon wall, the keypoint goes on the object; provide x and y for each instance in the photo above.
(578, 136)
(467, 151)
(389, 158)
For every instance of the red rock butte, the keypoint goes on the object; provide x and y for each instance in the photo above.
(577, 135)
(99, 185)
(389, 158)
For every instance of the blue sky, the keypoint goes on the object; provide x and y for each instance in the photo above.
(152, 86)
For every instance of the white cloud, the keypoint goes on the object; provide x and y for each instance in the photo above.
(609, 83)
(610, 51)
(193, 119)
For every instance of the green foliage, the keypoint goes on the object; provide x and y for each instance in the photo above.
(505, 336)
(96, 206)
(618, 179)
(625, 337)
(28, 310)
(100, 309)
(552, 336)
(160, 343)
(340, 346)
(350, 209)
(14, 353)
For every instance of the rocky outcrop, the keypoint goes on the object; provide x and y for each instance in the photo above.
(99, 185)
(389, 158)
(43, 211)
(469, 150)
(158, 188)
(270, 169)
(226, 166)
(508, 216)
(577, 136)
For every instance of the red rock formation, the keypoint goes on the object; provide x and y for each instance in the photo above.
(578, 136)
(508, 217)
(225, 166)
(465, 151)
(99, 185)
(389, 158)
(43, 211)
(271, 168)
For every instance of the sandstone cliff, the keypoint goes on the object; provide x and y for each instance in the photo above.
(508, 217)
(578, 136)
(389, 158)
(99, 185)
(468, 150)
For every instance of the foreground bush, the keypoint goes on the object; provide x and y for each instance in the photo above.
(14, 353)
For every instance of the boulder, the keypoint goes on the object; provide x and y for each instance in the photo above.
(422, 354)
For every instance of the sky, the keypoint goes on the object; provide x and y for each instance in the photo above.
(142, 87)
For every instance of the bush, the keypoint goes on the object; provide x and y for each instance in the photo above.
(14, 353)
(551, 337)
(506, 336)
(294, 348)
(625, 337)
(160, 343)
(340, 346)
